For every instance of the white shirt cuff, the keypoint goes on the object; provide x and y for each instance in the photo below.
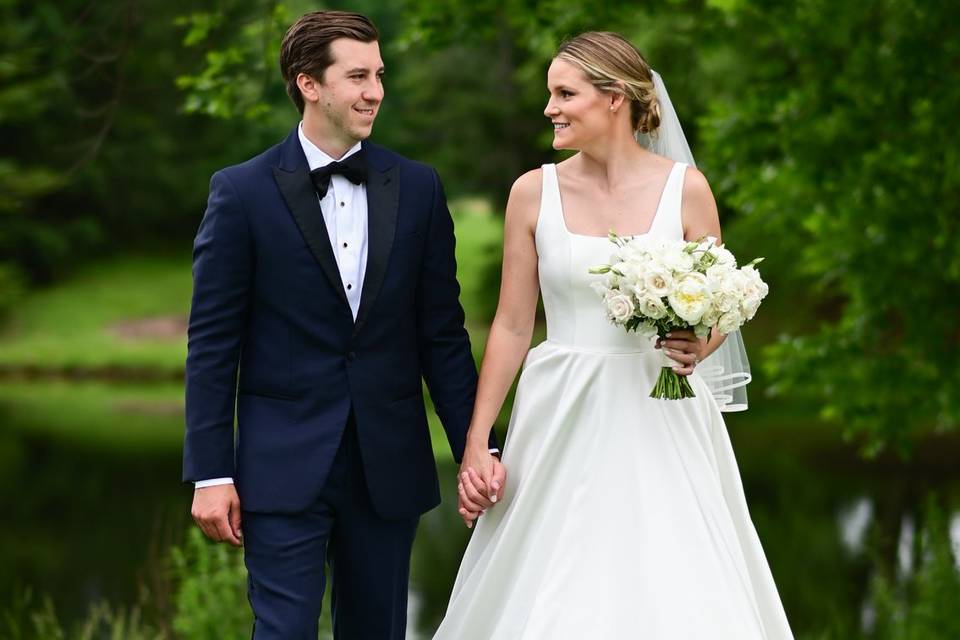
(212, 482)
(494, 450)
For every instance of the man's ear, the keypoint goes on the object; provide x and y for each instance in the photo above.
(309, 87)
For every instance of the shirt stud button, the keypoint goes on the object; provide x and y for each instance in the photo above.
(349, 286)
(342, 203)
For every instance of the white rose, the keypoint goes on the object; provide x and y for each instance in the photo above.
(690, 297)
(651, 307)
(658, 282)
(619, 308)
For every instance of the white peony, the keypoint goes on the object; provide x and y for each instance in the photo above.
(711, 316)
(690, 297)
(754, 291)
(619, 307)
(727, 287)
(724, 257)
(677, 260)
(729, 322)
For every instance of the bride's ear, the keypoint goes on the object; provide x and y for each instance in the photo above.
(615, 100)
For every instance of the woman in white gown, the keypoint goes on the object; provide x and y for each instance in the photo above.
(623, 516)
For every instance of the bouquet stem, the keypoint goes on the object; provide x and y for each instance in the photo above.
(671, 385)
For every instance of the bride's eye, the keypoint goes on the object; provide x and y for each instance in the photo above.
(565, 94)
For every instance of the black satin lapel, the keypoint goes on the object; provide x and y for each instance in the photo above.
(383, 196)
(298, 191)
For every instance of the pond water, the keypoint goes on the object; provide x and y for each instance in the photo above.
(83, 521)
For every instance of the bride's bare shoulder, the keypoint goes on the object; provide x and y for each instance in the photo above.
(524, 201)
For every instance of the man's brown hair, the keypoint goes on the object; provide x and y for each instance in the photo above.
(306, 45)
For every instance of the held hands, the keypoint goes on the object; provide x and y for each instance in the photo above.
(216, 510)
(683, 347)
(480, 483)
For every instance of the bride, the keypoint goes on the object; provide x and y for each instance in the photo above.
(625, 515)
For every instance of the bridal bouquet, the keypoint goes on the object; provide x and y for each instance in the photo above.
(656, 286)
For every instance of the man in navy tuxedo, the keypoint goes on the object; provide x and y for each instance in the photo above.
(324, 292)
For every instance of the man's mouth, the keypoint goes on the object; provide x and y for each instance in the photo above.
(366, 112)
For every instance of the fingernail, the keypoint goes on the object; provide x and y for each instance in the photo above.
(463, 475)
(469, 525)
(460, 487)
(669, 334)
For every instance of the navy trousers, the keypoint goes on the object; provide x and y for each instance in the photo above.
(369, 560)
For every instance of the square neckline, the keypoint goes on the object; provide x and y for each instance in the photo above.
(653, 220)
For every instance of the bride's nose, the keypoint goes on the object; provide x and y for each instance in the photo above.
(551, 110)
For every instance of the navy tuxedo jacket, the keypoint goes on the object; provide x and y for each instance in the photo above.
(271, 335)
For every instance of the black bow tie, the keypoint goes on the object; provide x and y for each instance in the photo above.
(354, 169)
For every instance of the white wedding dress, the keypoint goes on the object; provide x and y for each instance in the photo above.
(624, 516)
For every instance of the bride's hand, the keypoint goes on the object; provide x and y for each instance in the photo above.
(480, 483)
(684, 347)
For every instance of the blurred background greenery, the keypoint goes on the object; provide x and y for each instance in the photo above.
(828, 132)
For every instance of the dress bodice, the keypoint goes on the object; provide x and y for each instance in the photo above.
(574, 312)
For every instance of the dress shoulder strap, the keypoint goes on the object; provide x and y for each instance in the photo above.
(551, 207)
(667, 221)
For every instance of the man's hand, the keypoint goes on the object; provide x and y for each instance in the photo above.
(216, 510)
(479, 484)
(684, 347)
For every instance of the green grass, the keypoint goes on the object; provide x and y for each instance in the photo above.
(72, 326)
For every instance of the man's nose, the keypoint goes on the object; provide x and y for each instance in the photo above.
(373, 92)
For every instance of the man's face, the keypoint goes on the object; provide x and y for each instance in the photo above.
(351, 90)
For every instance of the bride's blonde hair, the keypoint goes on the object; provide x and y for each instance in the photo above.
(611, 63)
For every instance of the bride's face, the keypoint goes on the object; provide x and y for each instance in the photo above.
(579, 111)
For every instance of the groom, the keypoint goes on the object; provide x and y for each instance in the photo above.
(324, 290)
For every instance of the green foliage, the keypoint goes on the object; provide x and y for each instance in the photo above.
(235, 79)
(832, 141)
(925, 605)
(96, 156)
(27, 620)
(211, 600)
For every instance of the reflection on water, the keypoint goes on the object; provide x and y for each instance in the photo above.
(955, 537)
(854, 521)
(84, 522)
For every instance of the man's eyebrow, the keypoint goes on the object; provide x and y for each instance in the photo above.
(363, 70)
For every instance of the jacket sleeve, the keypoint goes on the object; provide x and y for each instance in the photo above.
(445, 355)
(222, 285)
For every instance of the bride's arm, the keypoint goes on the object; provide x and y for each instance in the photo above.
(700, 218)
(512, 327)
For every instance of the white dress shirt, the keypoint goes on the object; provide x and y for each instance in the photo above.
(344, 211)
